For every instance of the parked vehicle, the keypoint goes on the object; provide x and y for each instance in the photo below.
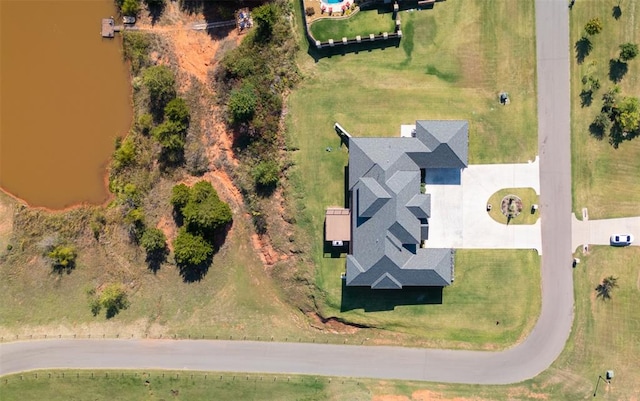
(621, 239)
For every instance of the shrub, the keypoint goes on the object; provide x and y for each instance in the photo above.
(125, 154)
(309, 11)
(205, 213)
(180, 196)
(266, 174)
(190, 249)
(178, 112)
(130, 7)
(593, 26)
(628, 51)
(63, 257)
(145, 123)
(242, 104)
(153, 240)
(113, 299)
(136, 49)
(160, 82)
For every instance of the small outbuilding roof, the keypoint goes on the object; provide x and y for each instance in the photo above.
(337, 224)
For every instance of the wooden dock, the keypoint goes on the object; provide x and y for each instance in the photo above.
(109, 28)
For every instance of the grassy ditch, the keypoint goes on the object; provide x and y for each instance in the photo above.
(605, 180)
(456, 59)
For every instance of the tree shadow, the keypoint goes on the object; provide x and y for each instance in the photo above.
(586, 98)
(384, 300)
(583, 47)
(155, 11)
(597, 131)
(156, 258)
(616, 12)
(191, 273)
(61, 269)
(216, 11)
(617, 70)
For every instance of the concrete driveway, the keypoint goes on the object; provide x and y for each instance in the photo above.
(459, 217)
(598, 232)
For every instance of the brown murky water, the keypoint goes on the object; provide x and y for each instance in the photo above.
(64, 97)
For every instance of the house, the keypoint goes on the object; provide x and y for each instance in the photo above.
(390, 205)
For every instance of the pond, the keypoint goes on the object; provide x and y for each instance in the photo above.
(65, 98)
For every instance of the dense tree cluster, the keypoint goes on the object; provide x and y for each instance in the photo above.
(205, 218)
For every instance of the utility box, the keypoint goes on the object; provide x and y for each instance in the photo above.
(609, 374)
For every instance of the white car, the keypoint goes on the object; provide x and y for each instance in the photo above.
(621, 239)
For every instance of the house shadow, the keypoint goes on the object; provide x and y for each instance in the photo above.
(386, 300)
(442, 176)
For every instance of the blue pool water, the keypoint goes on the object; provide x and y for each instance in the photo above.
(332, 1)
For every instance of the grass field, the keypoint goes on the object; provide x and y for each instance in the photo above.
(604, 337)
(451, 64)
(528, 197)
(363, 24)
(605, 180)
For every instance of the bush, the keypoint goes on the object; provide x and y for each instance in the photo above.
(145, 123)
(160, 82)
(190, 249)
(309, 11)
(180, 196)
(63, 257)
(130, 7)
(205, 213)
(125, 154)
(178, 112)
(136, 49)
(628, 51)
(113, 299)
(266, 174)
(593, 26)
(242, 104)
(153, 240)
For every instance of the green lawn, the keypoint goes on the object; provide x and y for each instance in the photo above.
(605, 180)
(528, 197)
(451, 64)
(363, 23)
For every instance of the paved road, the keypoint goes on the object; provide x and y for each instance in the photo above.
(524, 361)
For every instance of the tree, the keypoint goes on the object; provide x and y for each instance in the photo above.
(170, 134)
(242, 104)
(628, 51)
(605, 288)
(153, 240)
(113, 299)
(63, 257)
(160, 82)
(266, 174)
(125, 154)
(265, 16)
(593, 26)
(190, 249)
(178, 112)
(130, 7)
(205, 213)
(180, 196)
(145, 123)
(628, 114)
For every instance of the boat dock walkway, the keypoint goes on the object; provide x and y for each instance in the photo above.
(109, 28)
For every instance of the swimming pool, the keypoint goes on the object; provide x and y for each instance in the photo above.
(332, 1)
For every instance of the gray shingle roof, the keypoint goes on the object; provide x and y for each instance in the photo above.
(387, 206)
